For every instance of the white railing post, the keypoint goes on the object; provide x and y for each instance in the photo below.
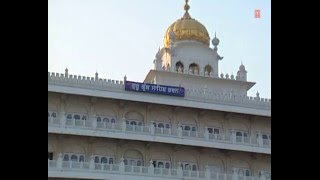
(179, 170)
(124, 125)
(94, 121)
(260, 140)
(233, 136)
(179, 131)
(91, 163)
(62, 119)
(206, 134)
(151, 168)
(234, 176)
(121, 167)
(208, 174)
(152, 130)
(59, 161)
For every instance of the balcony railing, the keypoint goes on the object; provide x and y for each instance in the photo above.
(146, 172)
(150, 130)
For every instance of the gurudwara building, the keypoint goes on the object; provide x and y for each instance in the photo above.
(184, 121)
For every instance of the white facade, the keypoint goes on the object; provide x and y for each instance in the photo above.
(98, 130)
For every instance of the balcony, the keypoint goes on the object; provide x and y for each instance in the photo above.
(86, 170)
(148, 132)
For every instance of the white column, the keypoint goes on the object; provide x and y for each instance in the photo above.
(179, 131)
(91, 163)
(151, 168)
(94, 121)
(59, 161)
(123, 124)
(234, 176)
(233, 136)
(208, 174)
(121, 167)
(206, 134)
(260, 141)
(62, 116)
(152, 130)
(179, 170)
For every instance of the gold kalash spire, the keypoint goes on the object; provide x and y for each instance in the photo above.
(187, 28)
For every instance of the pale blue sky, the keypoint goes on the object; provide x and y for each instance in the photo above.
(121, 37)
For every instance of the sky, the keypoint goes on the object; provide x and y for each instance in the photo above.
(121, 37)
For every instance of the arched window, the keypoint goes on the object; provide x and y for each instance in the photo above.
(187, 128)
(110, 160)
(96, 159)
(98, 119)
(133, 123)
(179, 67)
(187, 167)
(155, 124)
(106, 120)
(125, 162)
(139, 163)
(69, 116)
(167, 165)
(81, 158)
(160, 125)
(104, 160)
(194, 167)
(113, 120)
(207, 69)
(66, 157)
(74, 158)
(238, 134)
(194, 129)
(54, 115)
(248, 173)
(84, 117)
(76, 117)
(194, 68)
(167, 126)
(264, 136)
(245, 134)
(160, 164)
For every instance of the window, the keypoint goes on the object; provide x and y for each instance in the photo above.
(210, 130)
(54, 115)
(84, 117)
(133, 123)
(66, 157)
(139, 163)
(81, 158)
(167, 165)
(248, 173)
(187, 167)
(106, 120)
(76, 117)
(74, 158)
(160, 164)
(245, 134)
(264, 136)
(50, 155)
(238, 134)
(125, 162)
(98, 119)
(69, 116)
(113, 121)
(194, 129)
(96, 159)
(216, 131)
(104, 160)
(187, 128)
(167, 126)
(160, 125)
(194, 167)
(242, 171)
(111, 161)
(139, 123)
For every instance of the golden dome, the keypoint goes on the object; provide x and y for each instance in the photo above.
(187, 28)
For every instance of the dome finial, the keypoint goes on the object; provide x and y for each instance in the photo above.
(186, 8)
